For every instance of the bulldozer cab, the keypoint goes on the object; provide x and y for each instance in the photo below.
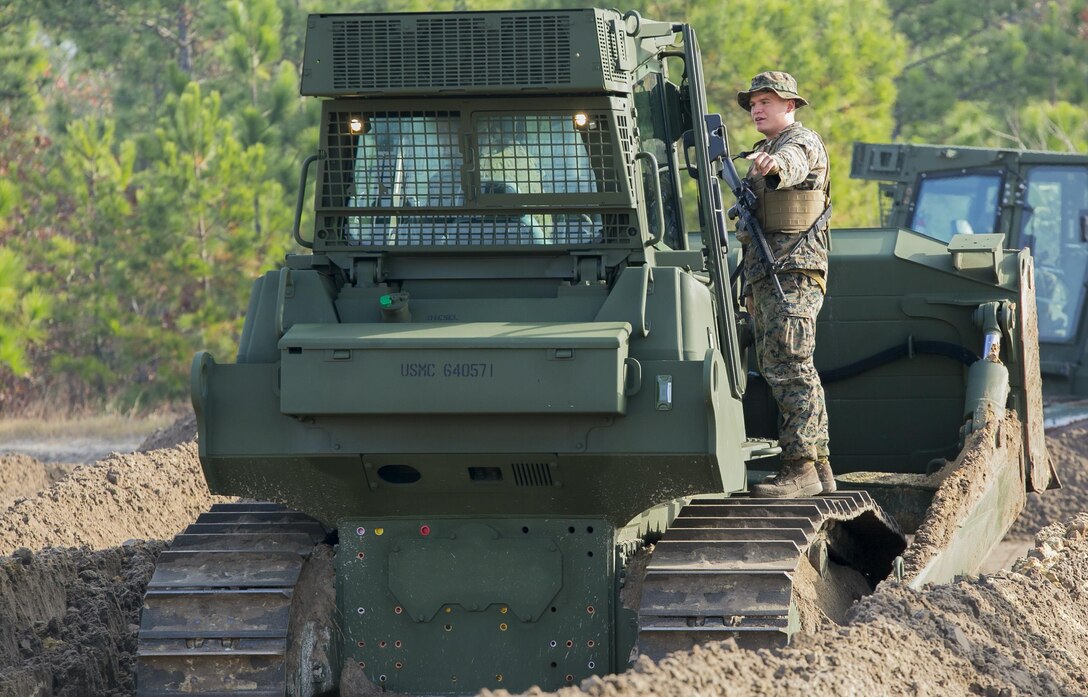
(1036, 200)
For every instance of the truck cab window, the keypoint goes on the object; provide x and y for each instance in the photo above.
(1057, 198)
(950, 205)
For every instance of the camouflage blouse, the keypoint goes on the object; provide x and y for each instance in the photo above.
(802, 165)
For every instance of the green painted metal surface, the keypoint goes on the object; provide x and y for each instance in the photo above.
(982, 527)
(470, 368)
(1032, 199)
(895, 340)
(431, 53)
(444, 605)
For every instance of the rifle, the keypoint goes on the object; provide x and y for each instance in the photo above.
(744, 209)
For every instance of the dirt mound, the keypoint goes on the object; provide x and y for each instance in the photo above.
(68, 620)
(69, 617)
(181, 431)
(136, 496)
(1068, 448)
(22, 476)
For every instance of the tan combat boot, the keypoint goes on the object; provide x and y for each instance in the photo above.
(827, 477)
(795, 479)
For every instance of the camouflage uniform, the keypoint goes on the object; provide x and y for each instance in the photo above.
(785, 330)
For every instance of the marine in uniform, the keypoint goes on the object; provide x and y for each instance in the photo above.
(790, 177)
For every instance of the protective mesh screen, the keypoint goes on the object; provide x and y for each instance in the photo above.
(460, 51)
(534, 154)
(388, 175)
(387, 160)
(475, 230)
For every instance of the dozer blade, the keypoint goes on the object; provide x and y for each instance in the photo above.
(978, 498)
(215, 617)
(725, 567)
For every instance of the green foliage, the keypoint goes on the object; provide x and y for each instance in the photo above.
(1002, 55)
(9, 197)
(24, 312)
(226, 219)
(1059, 127)
(844, 54)
(23, 68)
(253, 44)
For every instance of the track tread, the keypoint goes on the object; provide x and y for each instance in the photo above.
(216, 613)
(724, 567)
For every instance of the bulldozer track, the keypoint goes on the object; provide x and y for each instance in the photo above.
(725, 567)
(216, 613)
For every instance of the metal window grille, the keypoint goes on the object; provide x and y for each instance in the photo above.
(477, 230)
(545, 154)
(392, 160)
(399, 179)
(627, 146)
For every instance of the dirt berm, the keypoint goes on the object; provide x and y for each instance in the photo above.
(68, 616)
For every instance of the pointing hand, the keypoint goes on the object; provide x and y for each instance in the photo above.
(762, 163)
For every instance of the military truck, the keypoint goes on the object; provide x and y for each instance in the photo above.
(495, 426)
(1036, 200)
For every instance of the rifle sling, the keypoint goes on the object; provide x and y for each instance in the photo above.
(809, 235)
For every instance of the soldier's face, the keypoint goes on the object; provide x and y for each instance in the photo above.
(771, 113)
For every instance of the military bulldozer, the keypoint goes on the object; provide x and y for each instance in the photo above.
(495, 426)
(1036, 200)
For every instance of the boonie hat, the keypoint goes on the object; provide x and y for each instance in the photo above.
(775, 81)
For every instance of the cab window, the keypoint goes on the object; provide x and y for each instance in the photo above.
(962, 203)
(1057, 199)
(651, 94)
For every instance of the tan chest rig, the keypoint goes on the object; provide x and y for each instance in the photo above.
(789, 211)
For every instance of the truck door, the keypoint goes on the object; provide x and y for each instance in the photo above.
(1054, 224)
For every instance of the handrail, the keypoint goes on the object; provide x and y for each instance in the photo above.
(656, 184)
(301, 197)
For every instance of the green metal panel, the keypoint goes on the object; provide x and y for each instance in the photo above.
(895, 289)
(1042, 203)
(477, 565)
(472, 368)
(466, 52)
(446, 605)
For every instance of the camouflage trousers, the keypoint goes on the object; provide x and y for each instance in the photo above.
(785, 338)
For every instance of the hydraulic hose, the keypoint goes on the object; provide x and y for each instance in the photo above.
(931, 348)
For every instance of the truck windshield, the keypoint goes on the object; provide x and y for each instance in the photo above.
(1057, 199)
(949, 205)
(440, 178)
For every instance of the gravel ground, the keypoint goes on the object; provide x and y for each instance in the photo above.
(77, 564)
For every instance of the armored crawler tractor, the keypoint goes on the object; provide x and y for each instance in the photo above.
(509, 365)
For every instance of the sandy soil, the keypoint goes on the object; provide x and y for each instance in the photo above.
(22, 476)
(76, 567)
(1068, 447)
